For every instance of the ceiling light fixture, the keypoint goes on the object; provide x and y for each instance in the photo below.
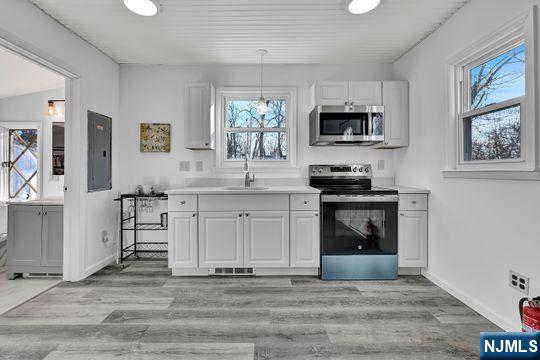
(52, 109)
(143, 7)
(362, 6)
(262, 107)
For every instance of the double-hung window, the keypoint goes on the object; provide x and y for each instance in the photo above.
(492, 125)
(267, 140)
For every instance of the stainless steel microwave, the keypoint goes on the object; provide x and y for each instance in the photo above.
(346, 125)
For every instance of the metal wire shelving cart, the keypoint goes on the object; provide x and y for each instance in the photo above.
(131, 223)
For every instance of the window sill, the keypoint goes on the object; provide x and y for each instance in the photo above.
(493, 174)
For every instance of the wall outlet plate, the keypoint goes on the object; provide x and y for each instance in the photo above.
(184, 165)
(519, 282)
(380, 165)
(199, 165)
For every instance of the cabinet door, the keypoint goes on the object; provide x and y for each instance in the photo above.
(266, 239)
(182, 236)
(199, 116)
(52, 236)
(221, 239)
(396, 114)
(305, 239)
(331, 92)
(365, 92)
(412, 238)
(24, 235)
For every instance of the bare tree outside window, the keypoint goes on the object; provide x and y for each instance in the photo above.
(495, 134)
(261, 137)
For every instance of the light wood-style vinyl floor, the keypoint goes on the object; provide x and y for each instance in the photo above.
(141, 312)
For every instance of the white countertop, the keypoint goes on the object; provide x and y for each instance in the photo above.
(37, 202)
(227, 190)
(406, 190)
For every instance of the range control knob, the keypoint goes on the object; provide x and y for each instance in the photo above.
(360, 169)
(319, 170)
(355, 169)
(366, 169)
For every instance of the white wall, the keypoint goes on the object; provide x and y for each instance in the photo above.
(156, 94)
(95, 89)
(31, 108)
(478, 229)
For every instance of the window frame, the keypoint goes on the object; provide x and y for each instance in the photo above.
(519, 30)
(4, 143)
(227, 93)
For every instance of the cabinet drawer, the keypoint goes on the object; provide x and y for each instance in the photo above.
(413, 202)
(309, 202)
(232, 202)
(182, 203)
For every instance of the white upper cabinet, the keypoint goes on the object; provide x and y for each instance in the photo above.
(396, 114)
(346, 92)
(266, 239)
(365, 93)
(331, 92)
(199, 113)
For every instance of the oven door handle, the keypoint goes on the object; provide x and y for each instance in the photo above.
(359, 198)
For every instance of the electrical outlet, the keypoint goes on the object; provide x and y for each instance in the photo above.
(184, 165)
(380, 165)
(519, 282)
(199, 165)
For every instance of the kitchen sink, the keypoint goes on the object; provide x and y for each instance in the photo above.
(253, 188)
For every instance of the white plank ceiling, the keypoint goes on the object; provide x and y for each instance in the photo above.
(229, 31)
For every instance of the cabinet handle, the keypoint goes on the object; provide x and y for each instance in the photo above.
(306, 202)
(194, 215)
(316, 214)
(413, 202)
(401, 214)
(247, 214)
(239, 215)
(205, 144)
(39, 213)
(44, 213)
(182, 202)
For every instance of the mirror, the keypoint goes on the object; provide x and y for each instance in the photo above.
(58, 148)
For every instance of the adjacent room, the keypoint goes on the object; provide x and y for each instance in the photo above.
(232, 179)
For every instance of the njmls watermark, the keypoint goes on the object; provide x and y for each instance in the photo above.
(511, 345)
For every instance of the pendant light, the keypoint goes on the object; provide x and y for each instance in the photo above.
(52, 109)
(262, 108)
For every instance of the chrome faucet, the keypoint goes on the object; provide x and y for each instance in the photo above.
(247, 179)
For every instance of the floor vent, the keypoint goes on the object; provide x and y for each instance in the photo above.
(232, 271)
(44, 275)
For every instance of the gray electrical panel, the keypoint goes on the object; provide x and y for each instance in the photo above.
(99, 152)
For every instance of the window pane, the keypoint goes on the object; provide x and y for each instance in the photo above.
(499, 79)
(236, 145)
(268, 146)
(243, 114)
(24, 163)
(493, 136)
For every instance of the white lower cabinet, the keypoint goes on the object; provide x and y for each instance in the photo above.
(412, 238)
(305, 239)
(221, 237)
(266, 239)
(183, 239)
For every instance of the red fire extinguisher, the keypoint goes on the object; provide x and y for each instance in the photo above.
(530, 314)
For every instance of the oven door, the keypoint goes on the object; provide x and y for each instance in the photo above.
(359, 224)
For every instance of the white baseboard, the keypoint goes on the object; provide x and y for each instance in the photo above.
(410, 271)
(470, 302)
(176, 271)
(97, 266)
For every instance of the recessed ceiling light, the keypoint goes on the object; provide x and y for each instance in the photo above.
(143, 7)
(362, 6)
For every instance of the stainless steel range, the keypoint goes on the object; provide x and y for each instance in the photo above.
(358, 224)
